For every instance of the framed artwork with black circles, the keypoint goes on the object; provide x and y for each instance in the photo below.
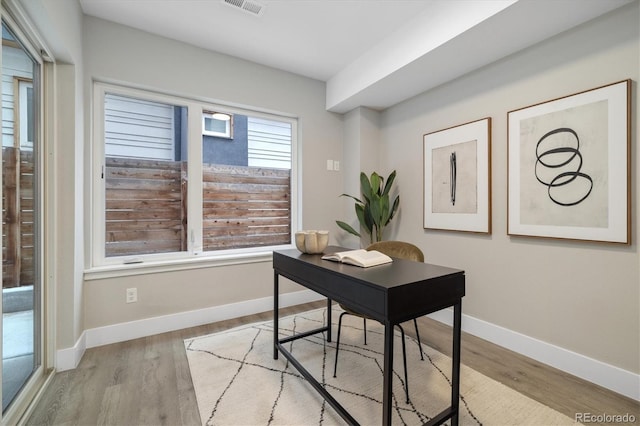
(569, 171)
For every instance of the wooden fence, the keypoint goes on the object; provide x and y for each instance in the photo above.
(146, 209)
(17, 217)
(245, 207)
(145, 206)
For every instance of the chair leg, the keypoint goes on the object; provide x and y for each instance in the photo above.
(418, 337)
(404, 361)
(404, 349)
(335, 365)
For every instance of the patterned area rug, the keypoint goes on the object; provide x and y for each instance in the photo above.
(237, 381)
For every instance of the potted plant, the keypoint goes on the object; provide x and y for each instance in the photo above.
(374, 210)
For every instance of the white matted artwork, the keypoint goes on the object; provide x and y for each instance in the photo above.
(457, 171)
(568, 167)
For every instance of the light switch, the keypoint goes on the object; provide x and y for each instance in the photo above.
(329, 164)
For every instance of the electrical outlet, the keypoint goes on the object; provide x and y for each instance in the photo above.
(336, 165)
(132, 295)
(329, 164)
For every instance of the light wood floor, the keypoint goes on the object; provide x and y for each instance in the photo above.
(147, 382)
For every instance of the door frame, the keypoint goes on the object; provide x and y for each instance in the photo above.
(13, 15)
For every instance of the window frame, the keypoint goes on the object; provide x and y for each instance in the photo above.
(227, 134)
(21, 87)
(100, 266)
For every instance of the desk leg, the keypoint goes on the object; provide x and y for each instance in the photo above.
(276, 292)
(328, 319)
(455, 369)
(387, 387)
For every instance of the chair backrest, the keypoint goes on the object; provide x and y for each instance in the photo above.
(398, 249)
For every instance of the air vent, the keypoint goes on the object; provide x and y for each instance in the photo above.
(249, 6)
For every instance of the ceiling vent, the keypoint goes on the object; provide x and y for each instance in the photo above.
(251, 7)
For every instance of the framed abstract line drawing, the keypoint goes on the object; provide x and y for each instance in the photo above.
(457, 175)
(569, 167)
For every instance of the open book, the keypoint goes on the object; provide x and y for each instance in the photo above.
(360, 257)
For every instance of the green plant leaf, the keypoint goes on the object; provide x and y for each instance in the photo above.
(351, 196)
(376, 210)
(373, 208)
(375, 183)
(384, 211)
(364, 215)
(390, 179)
(361, 215)
(365, 186)
(347, 228)
(394, 209)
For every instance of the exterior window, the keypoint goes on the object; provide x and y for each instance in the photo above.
(246, 188)
(145, 177)
(169, 190)
(269, 143)
(217, 124)
(136, 128)
(25, 112)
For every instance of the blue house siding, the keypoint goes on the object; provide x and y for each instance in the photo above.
(230, 152)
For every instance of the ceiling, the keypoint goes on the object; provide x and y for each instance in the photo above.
(372, 53)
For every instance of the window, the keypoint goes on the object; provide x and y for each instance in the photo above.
(217, 124)
(170, 188)
(246, 203)
(269, 143)
(26, 113)
(136, 128)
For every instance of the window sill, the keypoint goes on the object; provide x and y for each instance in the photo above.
(152, 267)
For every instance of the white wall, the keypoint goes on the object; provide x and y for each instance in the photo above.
(582, 297)
(59, 23)
(120, 54)
(360, 153)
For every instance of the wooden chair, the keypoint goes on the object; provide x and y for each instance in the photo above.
(398, 249)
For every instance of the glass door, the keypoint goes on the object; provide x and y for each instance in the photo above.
(21, 212)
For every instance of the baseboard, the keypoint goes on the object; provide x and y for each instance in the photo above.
(616, 379)
(608, 376)
(67, 359)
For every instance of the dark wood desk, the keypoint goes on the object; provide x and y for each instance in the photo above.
(391, 293)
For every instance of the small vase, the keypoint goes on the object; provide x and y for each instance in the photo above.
(312, 242)
(300, 236)
(323, 240)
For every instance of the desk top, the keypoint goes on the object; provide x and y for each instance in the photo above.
(395, 291)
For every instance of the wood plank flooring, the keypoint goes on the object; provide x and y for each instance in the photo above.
(147, 381)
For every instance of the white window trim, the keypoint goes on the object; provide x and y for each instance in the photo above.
(101, 266)
(227, 134)
(23, 113)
